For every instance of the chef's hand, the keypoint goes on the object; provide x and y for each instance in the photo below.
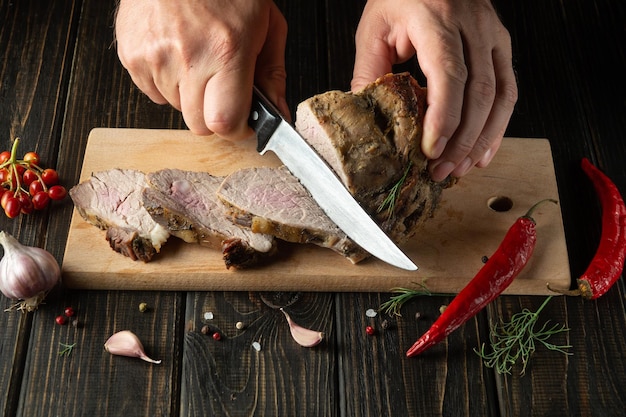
(465, 53)
(203, 58)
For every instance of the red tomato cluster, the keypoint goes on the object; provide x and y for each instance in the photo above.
(25, 185)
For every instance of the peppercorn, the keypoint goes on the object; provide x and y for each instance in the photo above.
(370, 330)
(217, 336)
(143, 307)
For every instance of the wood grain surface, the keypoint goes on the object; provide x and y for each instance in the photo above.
(60, 78)
(449, 249)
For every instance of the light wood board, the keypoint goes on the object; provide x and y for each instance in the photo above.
(448, 251)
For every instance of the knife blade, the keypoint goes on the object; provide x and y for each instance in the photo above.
(275, 134)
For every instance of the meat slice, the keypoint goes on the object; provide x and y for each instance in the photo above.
(272, 200)
(372, 140)
(111, 200)
(186, 204)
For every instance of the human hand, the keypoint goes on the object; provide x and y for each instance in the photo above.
(204, 57)
(465, 53)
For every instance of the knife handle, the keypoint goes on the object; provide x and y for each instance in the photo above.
(264, 118)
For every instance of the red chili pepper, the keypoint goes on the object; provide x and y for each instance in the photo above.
(493, 278)
(608, 263)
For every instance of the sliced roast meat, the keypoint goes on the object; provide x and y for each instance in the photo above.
(372, 140)
(186, 204)
(111, 200)
(271, 200)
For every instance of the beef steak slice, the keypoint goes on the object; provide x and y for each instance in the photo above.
(273, 201)
(111, 200)
(186, 204)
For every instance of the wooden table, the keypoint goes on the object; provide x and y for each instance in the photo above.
(60, 78)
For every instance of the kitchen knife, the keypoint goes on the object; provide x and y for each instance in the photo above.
(275, 134)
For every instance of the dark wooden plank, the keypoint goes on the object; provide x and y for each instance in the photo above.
(36, 52)
(230, 377)
(90, 381)
(565, 76)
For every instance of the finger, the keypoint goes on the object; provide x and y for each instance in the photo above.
(192, 90)
(227, 98)
(441, 57)
(470, 142)
(270, 74)
(374, 57)
(504, 104)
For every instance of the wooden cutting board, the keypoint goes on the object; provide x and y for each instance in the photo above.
(448, 251)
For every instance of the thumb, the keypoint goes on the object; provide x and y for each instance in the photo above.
(374, 56)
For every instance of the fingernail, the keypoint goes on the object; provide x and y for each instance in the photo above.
(440, 171)
(438, 147)
(464, 167)
(486, 159)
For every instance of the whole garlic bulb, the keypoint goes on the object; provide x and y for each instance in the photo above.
(27, 273)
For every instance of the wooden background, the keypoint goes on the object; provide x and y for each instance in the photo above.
(60, 78)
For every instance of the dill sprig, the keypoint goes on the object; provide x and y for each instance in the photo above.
(394, 304)
(389, 203)
(517, 340)
(67, 349)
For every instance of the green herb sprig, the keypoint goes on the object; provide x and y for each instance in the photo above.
(66, 349)
(517, 339)
(394, 304)
(389, 203)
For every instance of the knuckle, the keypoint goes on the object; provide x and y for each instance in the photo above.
(483, 90)
(455, 69)
(509, 94)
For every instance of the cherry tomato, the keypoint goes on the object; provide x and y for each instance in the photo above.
(35, 187)
(5, 197)
(40, 200)
(4, 175)
(28, 177)
(26, 205)
(50, 176)
(32, 158)
(4, 156)
(57, 192)
(12, 207)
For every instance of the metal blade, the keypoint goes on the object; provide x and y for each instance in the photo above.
(276, 135)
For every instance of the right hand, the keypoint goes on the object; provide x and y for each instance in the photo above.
(204, 57)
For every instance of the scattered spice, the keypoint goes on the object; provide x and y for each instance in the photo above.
(69, 312)
(217, 336)
(208, 315)
(370, 331)
(60, 320)
(442, 309)
(205, 329)
(143, 307)
(239, 325)
(394, 304)
(384, 324)
(371, 313)
(493, 278)
(256, 346)
(516, 340)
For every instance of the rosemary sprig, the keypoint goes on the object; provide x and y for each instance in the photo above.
(389, 203)
(517, 339)
(67, 349)
(394, 304)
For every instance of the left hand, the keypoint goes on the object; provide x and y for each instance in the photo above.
(465, 53)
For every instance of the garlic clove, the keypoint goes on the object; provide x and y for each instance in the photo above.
(126, 343)
(303, 336)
